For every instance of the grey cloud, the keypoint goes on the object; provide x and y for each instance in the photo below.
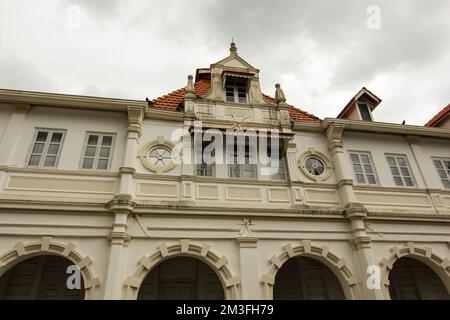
(16, 73)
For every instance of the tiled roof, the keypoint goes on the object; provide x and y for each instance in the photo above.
(438, 116)
(172, 101)
(294, 112)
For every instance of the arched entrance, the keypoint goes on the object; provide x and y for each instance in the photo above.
(305, 278)
(411, 279)
(42, 277)
(181, 278)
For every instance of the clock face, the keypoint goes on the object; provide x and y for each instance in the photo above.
(314, 166)
(159, 157)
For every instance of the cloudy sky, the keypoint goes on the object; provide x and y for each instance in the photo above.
(322, 52)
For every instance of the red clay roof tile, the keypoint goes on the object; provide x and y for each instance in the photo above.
(438, 116)
(172, 101)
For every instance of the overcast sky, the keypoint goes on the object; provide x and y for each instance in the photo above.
(322, 52)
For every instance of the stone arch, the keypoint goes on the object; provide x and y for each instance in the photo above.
(305, 248)
(423, 254)
(203, 252)
(21, 252)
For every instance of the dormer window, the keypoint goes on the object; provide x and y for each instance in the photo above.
(364, 111)
(236, 90)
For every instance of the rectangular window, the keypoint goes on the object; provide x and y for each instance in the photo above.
(364, 111)
(236, 90)
(246, 170)
(400, 169)
(363, 168)
(97, 151)
(46, 148)
(443, 170)
(204, 169)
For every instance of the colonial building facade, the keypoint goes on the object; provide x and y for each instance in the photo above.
(354, 209)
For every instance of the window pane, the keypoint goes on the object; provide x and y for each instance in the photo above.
(360, 178)
(447, 164)
(90, 151)
(438, 164)
(102, 164)
(92, 140)
(38, 148)
(405, 171)
(107, 141)
(358, 168)
(34, 161)
(365, 158)
(391, 161)
(364, 110)
(401, 162)
(442, 174)
(53, 149)
(50, 161)
(354, 158)
(104, 152)
(398, 181)
(41, 136)
(368, 168)
(88, 163)
(409, 182)
(395, 171)
(446, 184)
(235, 171)
(371, 179)
(57, 137)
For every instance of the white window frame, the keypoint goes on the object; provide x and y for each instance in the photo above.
(372, 164)
(50, 132)
(368, 110)
(441, 160)
(401, 176)
(97, 150)
(235, 90)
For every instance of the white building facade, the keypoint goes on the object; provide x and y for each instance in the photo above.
(357, 209)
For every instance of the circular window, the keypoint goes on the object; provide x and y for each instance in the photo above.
(157, 155)
(314, 166)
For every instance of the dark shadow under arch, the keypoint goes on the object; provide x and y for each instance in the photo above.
(181, 277)
(306, 278)
(40, 277)
(411, 279)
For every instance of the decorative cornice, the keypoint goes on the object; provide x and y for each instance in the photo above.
(387, 128)
(67, 100)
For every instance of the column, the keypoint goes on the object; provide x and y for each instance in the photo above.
(354, 212)
(121, 206)
(250, 281)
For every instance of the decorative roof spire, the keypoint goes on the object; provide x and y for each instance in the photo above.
(233, 49)
(190, 90)
(279, 94)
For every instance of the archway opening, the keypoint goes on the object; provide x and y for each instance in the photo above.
(42, 277)
(181, 278)
(411, 279)
(304, 278)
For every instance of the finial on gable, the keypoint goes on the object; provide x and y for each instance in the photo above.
(190, 90)
(233, 49)
(279, 94)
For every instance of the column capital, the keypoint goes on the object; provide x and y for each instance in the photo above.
(355, 210)
(122, 203)
(118, 237)
(135, 117)
(247, 242)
